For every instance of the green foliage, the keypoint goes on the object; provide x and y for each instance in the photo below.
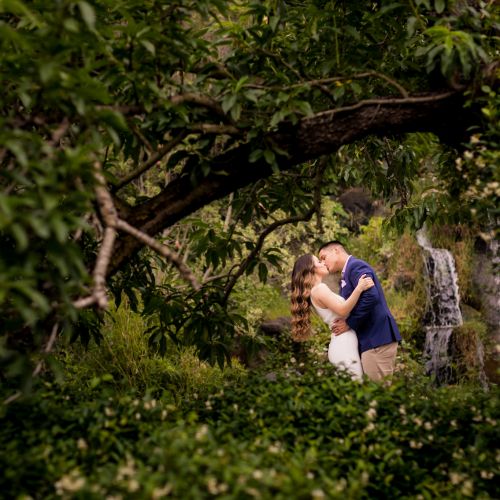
(261, 301)
(124, 363)
(462, 189)
(469, 340)
(114, 83)
(308, 433)
(399, 265)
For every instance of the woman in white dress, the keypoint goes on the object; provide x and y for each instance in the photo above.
(308, 288)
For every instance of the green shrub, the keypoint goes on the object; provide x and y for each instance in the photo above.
(468, 350)
(124, 362)
(300, 432)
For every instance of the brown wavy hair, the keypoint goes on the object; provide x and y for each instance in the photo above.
(302, 282)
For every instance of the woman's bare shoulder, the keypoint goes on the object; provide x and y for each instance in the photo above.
(320, 289)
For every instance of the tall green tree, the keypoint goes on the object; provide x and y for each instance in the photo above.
(271, 102)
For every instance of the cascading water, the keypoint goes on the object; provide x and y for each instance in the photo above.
(443, 309)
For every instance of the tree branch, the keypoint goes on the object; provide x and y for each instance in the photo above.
(38, 368)
(383, 102)
(321, 82)
(163, 250)
(316, 207)
(141, 137)
(48, 348)
(112, 222)
(152, 160)
(211, 128)
(258, 246)
(199, 99)
(110, 218)
(321, 134)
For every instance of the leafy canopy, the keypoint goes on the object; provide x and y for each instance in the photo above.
(180, 104)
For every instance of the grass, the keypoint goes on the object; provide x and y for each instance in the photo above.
(124, 361)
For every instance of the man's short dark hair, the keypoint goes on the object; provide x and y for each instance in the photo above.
(331, 244)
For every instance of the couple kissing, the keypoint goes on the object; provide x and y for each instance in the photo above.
(364, 333)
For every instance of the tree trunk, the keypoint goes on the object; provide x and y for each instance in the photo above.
(323, 133)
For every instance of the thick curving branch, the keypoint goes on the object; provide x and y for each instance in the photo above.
(112, 223)
(322, 134)
(150, 162)
(315, 208)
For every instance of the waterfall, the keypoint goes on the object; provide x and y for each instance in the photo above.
(443, 309)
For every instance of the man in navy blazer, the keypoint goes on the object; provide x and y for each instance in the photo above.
(377, 332)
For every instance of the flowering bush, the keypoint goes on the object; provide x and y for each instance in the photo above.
(301, 432)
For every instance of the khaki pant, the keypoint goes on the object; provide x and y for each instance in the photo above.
(379, 362)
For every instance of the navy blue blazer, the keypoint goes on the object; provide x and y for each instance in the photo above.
(370, 319)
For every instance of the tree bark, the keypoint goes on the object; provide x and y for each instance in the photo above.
(441, 113)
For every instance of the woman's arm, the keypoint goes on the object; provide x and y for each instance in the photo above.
(324, 297)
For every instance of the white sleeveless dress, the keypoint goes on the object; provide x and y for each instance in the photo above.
(343, 349)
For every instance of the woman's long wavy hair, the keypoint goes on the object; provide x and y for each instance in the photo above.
(302, 282)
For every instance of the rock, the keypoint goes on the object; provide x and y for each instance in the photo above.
(276, 327)
(271, 377)
(359, 205)
(486, 281)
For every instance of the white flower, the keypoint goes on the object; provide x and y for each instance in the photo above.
(149, 405)
(201, 432)
(212, 485)
(468, 488)
(274, 448)
(127, 470)
(257, 474)
(82, 444)
(161, 492)
(133, 485)
(70, 483)
(318, 494)
(340, 485)
(456, 478)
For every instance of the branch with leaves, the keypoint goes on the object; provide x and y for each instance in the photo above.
(315, 208)
(151, 161)
(310, 138)
(112, 223)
